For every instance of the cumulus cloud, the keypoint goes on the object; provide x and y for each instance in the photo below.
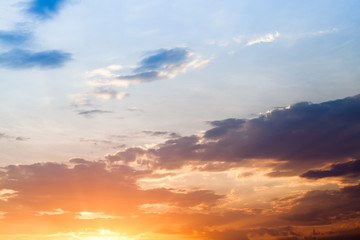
(156, 65)
(297, 138)
(44, 9)
(19, 58)
(270, 37)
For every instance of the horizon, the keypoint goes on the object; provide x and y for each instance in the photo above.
(144, 120)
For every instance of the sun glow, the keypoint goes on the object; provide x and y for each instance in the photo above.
(102, 234)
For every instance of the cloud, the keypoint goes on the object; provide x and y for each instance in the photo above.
(325, 206)
(158, 64)
(270, 37)
(297, 138)
(9, 137)
(91, 113)
(45, 8)
(19, 58)
(348, 170)
(100, 93)
(90, 189)
(58, 211)
(6, 194)
(95, 215)
(14, 37)
(161, 133)
(222, 127)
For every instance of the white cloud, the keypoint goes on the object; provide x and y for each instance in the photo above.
(162, 64)
(6, 194)
(270, 37)
(100, 93)
(95, 215)
(57, 211)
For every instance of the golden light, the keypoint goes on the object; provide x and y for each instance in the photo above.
(102, 234)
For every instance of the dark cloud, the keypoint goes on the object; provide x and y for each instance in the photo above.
(45, 8)
(298, 138)
(161, 133)
(222, 127)
(163, 64)
(163, 58)
(22, 138)
(325, 207)
(19, 58)
(9, 137)
(348, 169)
(227, 235)
(14, 37)
(91, 113)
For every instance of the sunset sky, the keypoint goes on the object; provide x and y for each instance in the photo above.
(179, 120)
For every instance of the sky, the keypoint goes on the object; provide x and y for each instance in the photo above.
(165, 119)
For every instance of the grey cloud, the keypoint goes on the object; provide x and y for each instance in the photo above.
(159, 64)
(298, 138)
(91, 113)
(348, 169)
(163, 58)
(324, 207)
(222, 127)
(161, 133)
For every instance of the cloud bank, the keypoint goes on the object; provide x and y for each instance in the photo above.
(290, 141)
(297, 138)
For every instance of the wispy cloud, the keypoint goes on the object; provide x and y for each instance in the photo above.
(92, 113)
(19, 58)
(100, 93)
(57, 211)
(270, 37)
(9, 137)
(14, 37)
(96, 215)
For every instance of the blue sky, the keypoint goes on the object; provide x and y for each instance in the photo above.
(232, 119)
(64, 66)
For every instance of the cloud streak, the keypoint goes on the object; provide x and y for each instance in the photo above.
(270, 37)
(347, 170)
(22, 59)
(156, 65)
(14, 37)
